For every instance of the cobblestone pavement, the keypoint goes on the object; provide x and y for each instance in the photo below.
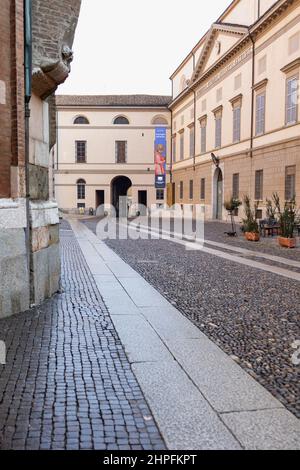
(251, 314)
(67, 383)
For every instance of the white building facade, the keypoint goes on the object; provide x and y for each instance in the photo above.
(105, 149)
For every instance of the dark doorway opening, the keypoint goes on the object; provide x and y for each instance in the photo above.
(119, 189)
(100, 201)
(142, 199)
(219, 194)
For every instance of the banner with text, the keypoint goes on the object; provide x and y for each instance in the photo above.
(160, 157)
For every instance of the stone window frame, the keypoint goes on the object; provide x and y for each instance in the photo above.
(192, 139)
(84, 120)
(202, 189)
(203, 134)
(218, 113)
(80, 151)
(118, 160)
(181, 148)
(81, 193)
(259, 185)
(260, 90)
(290, 185)
(236, 185)
(292, 72)
(191, 190)
(174, 147)
(181, 190)
(236, 104)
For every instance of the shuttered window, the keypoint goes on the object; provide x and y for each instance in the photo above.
(182, 146)
(218, 136)
(291, 100)
(191, 189)
(192, 141)
(121, 151)
(259, 180)
(174, 148)
(203, 124)
(260, 114)
(202, 188)
(81, 189)
(181, 190)
(80, 149)
(235, 185)
(237, 123)
(290, 182)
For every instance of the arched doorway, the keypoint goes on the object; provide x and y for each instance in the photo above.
(218, 194)
(119, 195)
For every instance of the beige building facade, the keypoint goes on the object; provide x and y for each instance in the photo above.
(105, 149)
(235, 109)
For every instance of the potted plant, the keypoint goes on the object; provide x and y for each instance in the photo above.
(287, 220)
(250, 225)
(232, 205)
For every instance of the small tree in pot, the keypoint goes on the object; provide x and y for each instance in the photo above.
(287, 221)
(231, 205)
(250, 225)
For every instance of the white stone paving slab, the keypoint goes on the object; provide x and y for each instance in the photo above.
(224, 383)
(184, 417)
(265, 429)
(142, 293)
(140, 341)
(121, 269)
(170, 323)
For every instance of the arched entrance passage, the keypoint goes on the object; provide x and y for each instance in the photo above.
(218, 194)
(119, 195)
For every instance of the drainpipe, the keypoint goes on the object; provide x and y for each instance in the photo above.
(258, 9)
(252, 106)
(28, 76)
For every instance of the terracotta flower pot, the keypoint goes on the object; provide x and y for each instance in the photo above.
(287, 242)
(252, 236)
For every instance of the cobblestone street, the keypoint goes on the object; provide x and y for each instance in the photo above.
(67, 383)
(251, 314)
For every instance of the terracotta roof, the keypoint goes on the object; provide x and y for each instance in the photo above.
(113, 100)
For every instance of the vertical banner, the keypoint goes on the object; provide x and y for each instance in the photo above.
(160, 157)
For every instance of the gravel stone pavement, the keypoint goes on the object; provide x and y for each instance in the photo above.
(67, 383)
(251, 314)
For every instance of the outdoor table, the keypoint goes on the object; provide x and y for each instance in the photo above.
(269, 230)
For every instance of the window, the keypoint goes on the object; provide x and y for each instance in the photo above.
(218, 130)
(235, 185)
(81, 189)
(291, 100)
(174, 148)
(159, 121)
(202, 188)
(181, 190)
(203, 126)
(290, 182)
(192, 141)
(121, 120)
(237, 123)
(260, 113)
(81, 120)
(182, 146)
(191, 192)
(121, 151)
(160, 194)
(259, 178)
(80, 146)
(81, 205)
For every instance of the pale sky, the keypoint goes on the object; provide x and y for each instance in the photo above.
(133, 46)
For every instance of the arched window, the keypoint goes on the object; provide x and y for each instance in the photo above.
(159, 121)
(121, 120)
(81, 120)
(81, 189)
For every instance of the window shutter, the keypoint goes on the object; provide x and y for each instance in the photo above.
(202, 189)
(259, 185)
(290, 182)
(235, 185)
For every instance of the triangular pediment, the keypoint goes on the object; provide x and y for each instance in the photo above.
(220, 39)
